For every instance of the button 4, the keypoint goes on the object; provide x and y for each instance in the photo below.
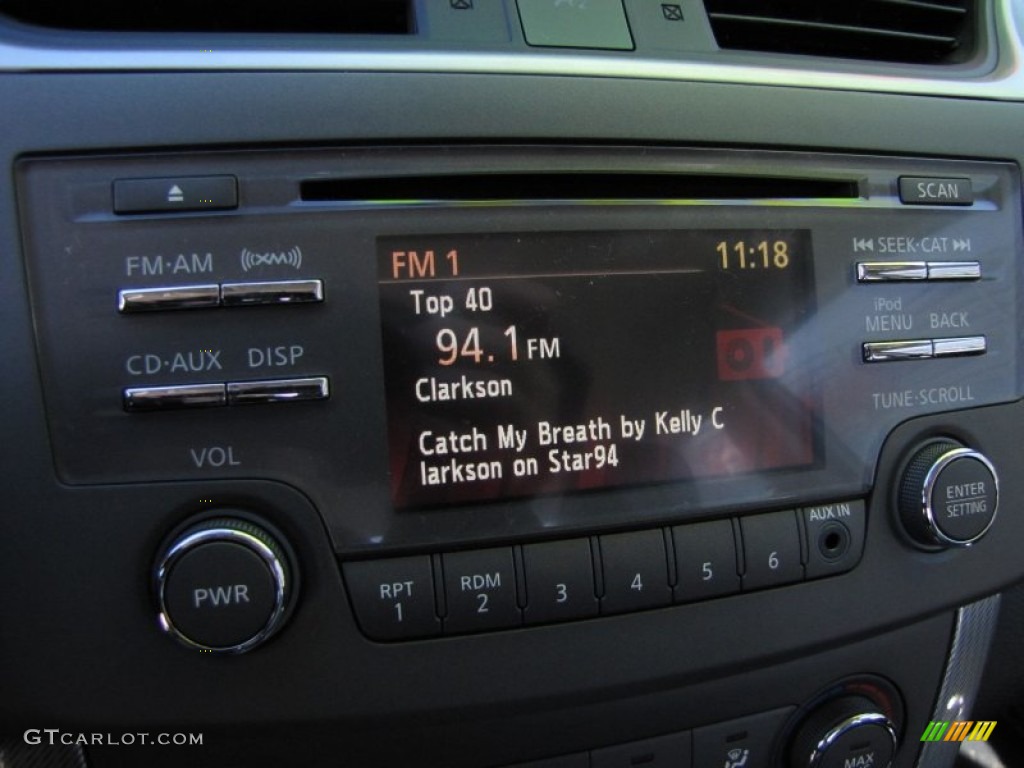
(635, 571)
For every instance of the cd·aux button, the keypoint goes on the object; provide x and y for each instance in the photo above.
(174, 397)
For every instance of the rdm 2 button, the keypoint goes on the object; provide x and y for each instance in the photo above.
(480, 588)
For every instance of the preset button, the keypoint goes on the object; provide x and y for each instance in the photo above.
(705, 560)
(771, 548)
(394, 599)
(480, 588)
(559, 581)
(635, 571)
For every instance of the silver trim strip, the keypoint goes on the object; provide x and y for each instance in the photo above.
(278, 391)
(960, 347)
(271, 292)
(891, 271)
(975, 627)
(1004, 82)
(954, 270)
(891, 351)
(174, 397)
(177, 297)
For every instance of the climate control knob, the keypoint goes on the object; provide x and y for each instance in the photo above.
(223, 586)
(948, 495)
(843, 732)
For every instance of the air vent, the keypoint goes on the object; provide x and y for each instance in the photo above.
(911, 31)
(374, 17)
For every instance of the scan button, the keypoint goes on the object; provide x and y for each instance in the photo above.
(926, 190)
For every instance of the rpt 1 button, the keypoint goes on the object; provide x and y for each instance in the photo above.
(394, 598)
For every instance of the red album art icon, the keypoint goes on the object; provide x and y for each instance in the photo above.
(750, 353)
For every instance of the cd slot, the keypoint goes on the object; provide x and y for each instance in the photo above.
(574, 186)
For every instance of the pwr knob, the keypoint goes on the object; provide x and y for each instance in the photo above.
(948, 495)
(223, 586)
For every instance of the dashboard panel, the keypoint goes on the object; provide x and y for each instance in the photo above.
(434, 399)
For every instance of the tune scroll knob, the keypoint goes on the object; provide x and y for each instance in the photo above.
(948, 495)
(223, 585)
(845, 732)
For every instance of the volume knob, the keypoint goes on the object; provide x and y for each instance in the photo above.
(223, 586)
(948, 495)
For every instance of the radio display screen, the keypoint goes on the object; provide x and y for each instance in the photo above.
(527, 364)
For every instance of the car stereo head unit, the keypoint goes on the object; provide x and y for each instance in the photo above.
(444, 347)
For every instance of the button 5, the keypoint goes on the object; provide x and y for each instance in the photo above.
(705, 560)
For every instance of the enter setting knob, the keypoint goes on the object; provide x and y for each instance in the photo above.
(845, 732)
(223, 586)
(948, 495)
